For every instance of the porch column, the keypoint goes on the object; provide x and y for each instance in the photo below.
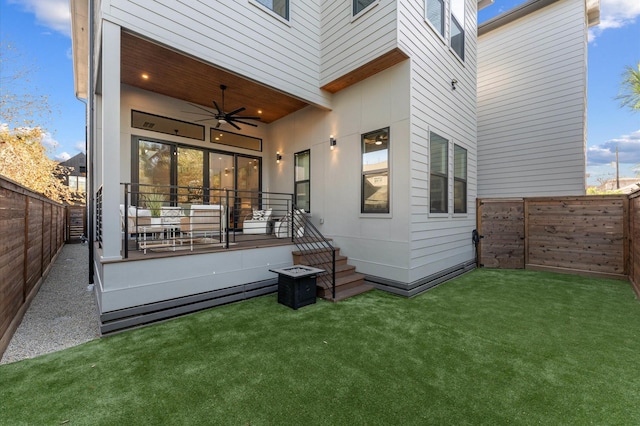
(111, 237)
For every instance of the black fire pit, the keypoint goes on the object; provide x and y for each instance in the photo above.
(297, 285)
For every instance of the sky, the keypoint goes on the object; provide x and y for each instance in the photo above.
(39, 30)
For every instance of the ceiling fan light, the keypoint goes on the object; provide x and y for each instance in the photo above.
(222, 121)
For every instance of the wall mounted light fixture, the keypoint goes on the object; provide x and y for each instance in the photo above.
(278, 157)
(453, 84)
(332, 142)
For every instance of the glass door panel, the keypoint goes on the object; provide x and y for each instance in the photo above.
(154, 170)
(221, 176)
(248, 184)
(190, 174)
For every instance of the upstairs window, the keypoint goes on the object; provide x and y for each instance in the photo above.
(280, 7)
(435, 15)
(360, 5)
(457, 27)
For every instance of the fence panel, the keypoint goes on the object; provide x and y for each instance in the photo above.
(577, 233)
(501, 224)
(25, 217)
(593, 235)
(634, 241)
(12, 254)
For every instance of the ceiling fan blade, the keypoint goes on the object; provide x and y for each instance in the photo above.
(204, 119)
(218, 125)
(242, 122)
(236, 111)
(202, 108)
(233, 124)
(248, 118)
(218, 108)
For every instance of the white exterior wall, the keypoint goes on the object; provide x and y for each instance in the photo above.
(439, 241)
(376, 244)
(240, 36)
(348, 42)
(531, 104)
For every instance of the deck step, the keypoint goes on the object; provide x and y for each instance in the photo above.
(348, 282)
(342, 284)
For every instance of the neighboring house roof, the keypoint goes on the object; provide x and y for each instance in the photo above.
(77, 163)
(593, 14)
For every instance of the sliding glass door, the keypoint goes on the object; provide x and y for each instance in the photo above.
(197, 176)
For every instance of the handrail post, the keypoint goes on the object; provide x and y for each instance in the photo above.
(225, 211)
(333, 274)
(126, 221)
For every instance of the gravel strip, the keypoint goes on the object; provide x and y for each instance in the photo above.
(63, 314)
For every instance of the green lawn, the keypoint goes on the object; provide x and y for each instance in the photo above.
(490, 347)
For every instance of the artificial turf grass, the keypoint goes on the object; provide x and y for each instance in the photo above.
(490, 347)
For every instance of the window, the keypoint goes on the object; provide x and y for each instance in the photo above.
(375, 172)
(457, 27)
(459, 179)
(77, 183)
(438, 147)
(302, 180)
(360, 5)
(435, 14)
(280, 7)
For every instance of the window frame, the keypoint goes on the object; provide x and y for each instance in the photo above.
(286, 19)
(381, 172)
(355, 12)
(448, 22)
(302, 181)
(439, 175)
(464, 181)
(443, 4)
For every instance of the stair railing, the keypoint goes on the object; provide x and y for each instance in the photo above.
(314, 247)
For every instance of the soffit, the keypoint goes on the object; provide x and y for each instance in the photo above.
(182, 77)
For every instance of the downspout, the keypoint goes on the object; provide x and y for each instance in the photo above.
(90, 143)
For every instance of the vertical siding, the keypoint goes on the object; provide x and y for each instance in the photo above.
(439, 242)
(349, 42)
(531, 104)
(238, 36)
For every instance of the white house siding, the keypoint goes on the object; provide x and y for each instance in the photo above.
(531, 104)
(440, 241)
(349, 42)
(237, 35)
(377, 245)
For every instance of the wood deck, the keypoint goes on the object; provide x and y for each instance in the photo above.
(200, 246)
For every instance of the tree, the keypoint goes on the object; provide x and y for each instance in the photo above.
(23, 157)
(630, 88)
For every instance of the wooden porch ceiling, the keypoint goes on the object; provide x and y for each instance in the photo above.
(178, 76)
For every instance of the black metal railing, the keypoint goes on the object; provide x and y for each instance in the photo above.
(171, 218)
(99, 217)
(315, 249)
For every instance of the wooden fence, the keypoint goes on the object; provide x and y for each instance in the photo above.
(591, 235)
(32, 230)
(634, 241)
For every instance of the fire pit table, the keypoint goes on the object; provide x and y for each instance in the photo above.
(297, 285)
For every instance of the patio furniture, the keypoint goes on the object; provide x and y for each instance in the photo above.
(206, 221)
(136, 218)
(282, 228)
(258, 222)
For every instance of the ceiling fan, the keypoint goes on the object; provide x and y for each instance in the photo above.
(226, 117)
